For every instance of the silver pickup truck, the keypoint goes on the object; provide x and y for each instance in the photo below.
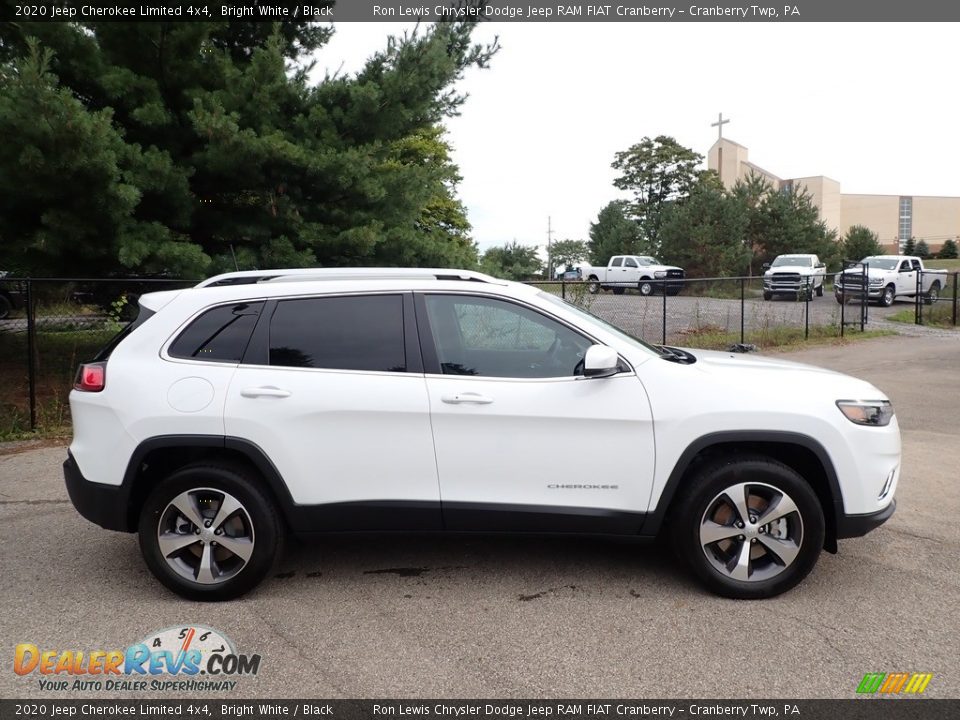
(889, 277)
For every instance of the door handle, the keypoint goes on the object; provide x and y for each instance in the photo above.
(467, 397)
(254, 392)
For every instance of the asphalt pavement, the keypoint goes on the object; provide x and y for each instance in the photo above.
(397, 616)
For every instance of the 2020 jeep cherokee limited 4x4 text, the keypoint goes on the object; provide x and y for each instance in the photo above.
(315, 401)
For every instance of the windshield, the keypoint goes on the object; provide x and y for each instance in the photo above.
(647, 260)
(626, 337)
(881, 263)
(793, 261)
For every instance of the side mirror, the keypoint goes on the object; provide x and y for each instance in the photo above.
(821, 265)
(765, 266)
(600, 361)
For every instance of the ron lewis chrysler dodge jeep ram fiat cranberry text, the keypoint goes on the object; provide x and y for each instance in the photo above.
(315, 401)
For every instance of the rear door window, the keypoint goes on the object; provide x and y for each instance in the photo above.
(359, 332)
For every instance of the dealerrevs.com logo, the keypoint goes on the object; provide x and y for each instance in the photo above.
(176, 659)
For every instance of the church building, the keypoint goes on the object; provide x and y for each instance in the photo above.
(894, 218)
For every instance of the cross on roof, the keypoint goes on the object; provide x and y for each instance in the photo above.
(719, 126)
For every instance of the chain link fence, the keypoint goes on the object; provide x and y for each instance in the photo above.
(49, 326)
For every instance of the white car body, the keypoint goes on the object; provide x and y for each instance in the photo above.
(794, 274)
(460, 451)
(890, 277)
(643, 272)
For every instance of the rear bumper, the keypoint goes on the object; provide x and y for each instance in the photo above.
(851, 526)
(103, 505)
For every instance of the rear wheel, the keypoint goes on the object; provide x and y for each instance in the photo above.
(593, 285)
(749, 527)
(5, 306)
(208, 532)
(933, 294)
(820, 290)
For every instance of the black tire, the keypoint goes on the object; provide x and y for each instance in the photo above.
(645, 286)
(767, 295)
(593, 285)
(5, 306)
(618, 290)
(265, 531)
(839, 299)
(763, 476)
(889, 295)
(933, 294)
(820, 290)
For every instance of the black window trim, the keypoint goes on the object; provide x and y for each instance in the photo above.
(431, 361)
(258, 349)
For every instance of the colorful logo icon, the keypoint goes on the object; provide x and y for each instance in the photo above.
(894, 683)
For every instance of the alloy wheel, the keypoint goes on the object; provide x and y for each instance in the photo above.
(751, 532)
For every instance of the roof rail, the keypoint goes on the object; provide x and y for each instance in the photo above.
(249, 277)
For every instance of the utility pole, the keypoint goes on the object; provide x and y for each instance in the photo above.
(549, 250)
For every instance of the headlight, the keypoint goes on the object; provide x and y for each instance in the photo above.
(867, 412)
(876, 281)
(660, 274)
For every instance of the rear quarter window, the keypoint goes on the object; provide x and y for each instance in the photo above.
(220, 334)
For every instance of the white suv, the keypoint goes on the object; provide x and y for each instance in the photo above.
(316, 401)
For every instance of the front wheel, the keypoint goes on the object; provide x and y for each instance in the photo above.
(820, 290)
(749, 527)
(889, 293)
(767, 295)
(645, 287)
(208, 532)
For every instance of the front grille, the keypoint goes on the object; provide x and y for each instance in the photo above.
(674, 273)
(786, 277)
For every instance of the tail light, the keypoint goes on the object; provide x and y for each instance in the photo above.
(91, 377)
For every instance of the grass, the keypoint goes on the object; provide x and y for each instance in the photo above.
(709, 337)
(940, 315)
(951, 265)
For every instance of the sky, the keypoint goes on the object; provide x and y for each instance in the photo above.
(871, 105)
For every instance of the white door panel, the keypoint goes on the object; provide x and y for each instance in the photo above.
(528, 438)
(338, 436)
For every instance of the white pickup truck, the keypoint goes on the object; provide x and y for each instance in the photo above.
(795, 275)
(890, 277)
(642, 272)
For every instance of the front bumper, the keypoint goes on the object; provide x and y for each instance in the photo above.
(851, 526)
(104, 505)
(874, 293)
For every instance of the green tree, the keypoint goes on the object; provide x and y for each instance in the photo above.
(568, 252)
(512, 261)
(657, 172)
(750, 193)
(910, 247)
(614, 233)
(787, 221)
(949, 250)
(706, 233)
(923, 250)
(177, 147)
(860, 242)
